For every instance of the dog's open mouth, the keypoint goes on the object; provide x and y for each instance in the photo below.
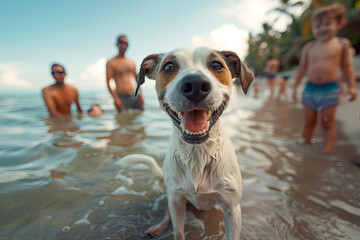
(195, 124)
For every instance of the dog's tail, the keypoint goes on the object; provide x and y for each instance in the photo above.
(133, 159)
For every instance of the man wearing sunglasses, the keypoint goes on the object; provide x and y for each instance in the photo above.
(59, 96)
(123, 71)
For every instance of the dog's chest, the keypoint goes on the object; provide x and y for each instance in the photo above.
(202, 184)
(202, 201)
(201, 195)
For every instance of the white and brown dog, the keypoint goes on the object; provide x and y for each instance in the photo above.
(200, 167)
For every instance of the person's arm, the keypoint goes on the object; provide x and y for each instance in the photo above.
(134, 69)
(77, 101)
(301, 71)
(348, 71)
(109, 76)
(50, 104)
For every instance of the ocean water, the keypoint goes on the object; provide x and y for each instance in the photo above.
(60, 178)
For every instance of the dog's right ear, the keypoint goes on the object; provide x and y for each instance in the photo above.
(148, 68)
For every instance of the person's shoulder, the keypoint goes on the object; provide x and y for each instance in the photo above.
(73, 88)
(129, 60)
(344, 41)
(47, 89)
(110, 61)
(309, 45)
(69, 88)
(133, 62)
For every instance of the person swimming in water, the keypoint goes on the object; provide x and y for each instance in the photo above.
(123, 71)
(95, 111)
(59, 96)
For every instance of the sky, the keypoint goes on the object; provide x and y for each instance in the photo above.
(81, 35)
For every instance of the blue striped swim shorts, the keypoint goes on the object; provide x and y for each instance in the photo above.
(321, 96)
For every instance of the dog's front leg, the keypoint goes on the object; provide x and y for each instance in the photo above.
(177, 207)
(233, 222)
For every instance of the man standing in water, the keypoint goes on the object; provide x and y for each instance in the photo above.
(59, 96)
(123, 71)
(271, 69)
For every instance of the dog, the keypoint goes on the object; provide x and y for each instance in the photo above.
(194, 88)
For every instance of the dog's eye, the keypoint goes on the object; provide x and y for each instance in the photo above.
(216, 66)
(168, 67)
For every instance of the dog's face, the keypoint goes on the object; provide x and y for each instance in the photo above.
(194, 87)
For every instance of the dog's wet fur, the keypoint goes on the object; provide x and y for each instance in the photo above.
(194, 88)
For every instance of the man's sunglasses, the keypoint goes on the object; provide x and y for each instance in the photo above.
(123, 42)
(60, 72)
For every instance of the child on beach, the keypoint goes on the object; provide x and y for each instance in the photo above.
(320, 60)
(283, 90)
(272, 67)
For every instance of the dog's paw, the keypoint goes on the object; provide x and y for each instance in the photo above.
(156, 229)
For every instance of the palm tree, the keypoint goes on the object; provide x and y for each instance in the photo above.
(287, 45)
(285, 8)
(262, 46)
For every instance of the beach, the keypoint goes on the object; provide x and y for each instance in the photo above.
(60, 178)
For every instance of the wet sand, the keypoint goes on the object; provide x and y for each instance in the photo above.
(317, 194)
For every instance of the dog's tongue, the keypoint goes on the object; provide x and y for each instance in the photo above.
(195, 121)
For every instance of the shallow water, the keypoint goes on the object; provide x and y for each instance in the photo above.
(59, 179)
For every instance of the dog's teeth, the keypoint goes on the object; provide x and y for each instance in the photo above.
(182, 126)
(194, 133)
(209, 114)
(188, 132)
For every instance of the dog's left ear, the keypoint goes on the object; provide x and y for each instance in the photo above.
(238, 69)
(148, 68)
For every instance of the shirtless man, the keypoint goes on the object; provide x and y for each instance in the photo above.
(271, 69)
(123, 71)
(59, 96)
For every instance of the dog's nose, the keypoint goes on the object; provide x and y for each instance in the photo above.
(195, 87)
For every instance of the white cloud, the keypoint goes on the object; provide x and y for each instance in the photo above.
(247, 16)
(94, 74)
(197, 40)
(11, 77)
(252, 14)
(227, 37)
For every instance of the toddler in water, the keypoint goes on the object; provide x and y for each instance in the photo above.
(320, 60)
(95, 111)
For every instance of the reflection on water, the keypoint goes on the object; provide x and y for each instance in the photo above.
(129, 132)
(59, 178)
(62, 124)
